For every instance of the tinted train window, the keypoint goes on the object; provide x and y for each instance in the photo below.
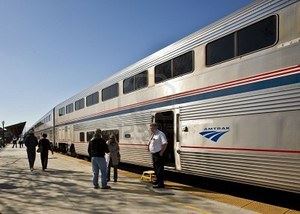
(220, 50)
(141, 80)
(79, 104)
(92, 99)
(89, 135)
(128, 85)
(69, 108)
(163, 72)
(252, 38)
(259, 35)
(178, 66)
(135, 82)
(110, 92)
(61, 111)
(47, 119)
(81, 136)
(183, 64)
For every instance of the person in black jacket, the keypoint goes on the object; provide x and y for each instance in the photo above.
(44, 147)
(31, 142)
(97, 149)
(15, 142)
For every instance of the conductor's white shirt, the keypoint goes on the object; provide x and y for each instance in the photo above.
(156, 141)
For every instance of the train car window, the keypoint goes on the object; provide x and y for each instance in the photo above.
(128, 85)
(110, 92)
(135, 82)
(89, 135)
(92, 99)
(107, 133)
(220, 50)
(257, 36)
(141, 80)
(81, 136)
(69, 108)
(61, 111)
(163, 72)
(79, 104)
(89, 100)
(47, 119)
(183, 64)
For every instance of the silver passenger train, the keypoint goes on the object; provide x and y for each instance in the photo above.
(227, 97)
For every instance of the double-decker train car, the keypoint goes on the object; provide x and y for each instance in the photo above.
(45, 125)
(227, 97)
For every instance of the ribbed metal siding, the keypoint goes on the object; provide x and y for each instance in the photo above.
(117, 121)
(135, 155)
(81, 148)
(275, 171)
(231, 23)
(287, 99)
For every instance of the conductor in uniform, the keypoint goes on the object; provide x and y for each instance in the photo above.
(157, 146)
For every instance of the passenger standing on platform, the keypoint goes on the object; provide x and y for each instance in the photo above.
(114, 156)
(97, 149)
(20, 142)
(31, 142)
(45, 146)
(15, 142)
(157, 146)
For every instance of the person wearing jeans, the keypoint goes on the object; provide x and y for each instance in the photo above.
(99, 163)
(97, 149)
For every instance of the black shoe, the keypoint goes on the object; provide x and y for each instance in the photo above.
(107, 180)
(96, 187)
(158, 186)
(106, 187)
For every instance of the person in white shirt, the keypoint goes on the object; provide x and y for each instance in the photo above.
(157, 146)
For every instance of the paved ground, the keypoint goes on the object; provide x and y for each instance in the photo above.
(66, 188)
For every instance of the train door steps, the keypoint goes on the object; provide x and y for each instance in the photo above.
(148, 176)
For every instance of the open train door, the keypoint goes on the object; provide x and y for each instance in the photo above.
(166, 122)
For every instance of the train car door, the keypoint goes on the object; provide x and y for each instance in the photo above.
(165, 122)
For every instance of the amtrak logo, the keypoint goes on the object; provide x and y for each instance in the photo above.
(214, 133)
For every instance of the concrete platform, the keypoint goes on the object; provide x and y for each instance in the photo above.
(66, 188)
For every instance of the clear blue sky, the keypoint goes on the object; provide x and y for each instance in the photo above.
(51, 50)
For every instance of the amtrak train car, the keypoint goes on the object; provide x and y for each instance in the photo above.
(227, 97)
(45, 125)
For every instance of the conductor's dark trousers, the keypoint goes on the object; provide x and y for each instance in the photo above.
(158, 165)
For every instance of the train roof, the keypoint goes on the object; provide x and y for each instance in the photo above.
(242, 17)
